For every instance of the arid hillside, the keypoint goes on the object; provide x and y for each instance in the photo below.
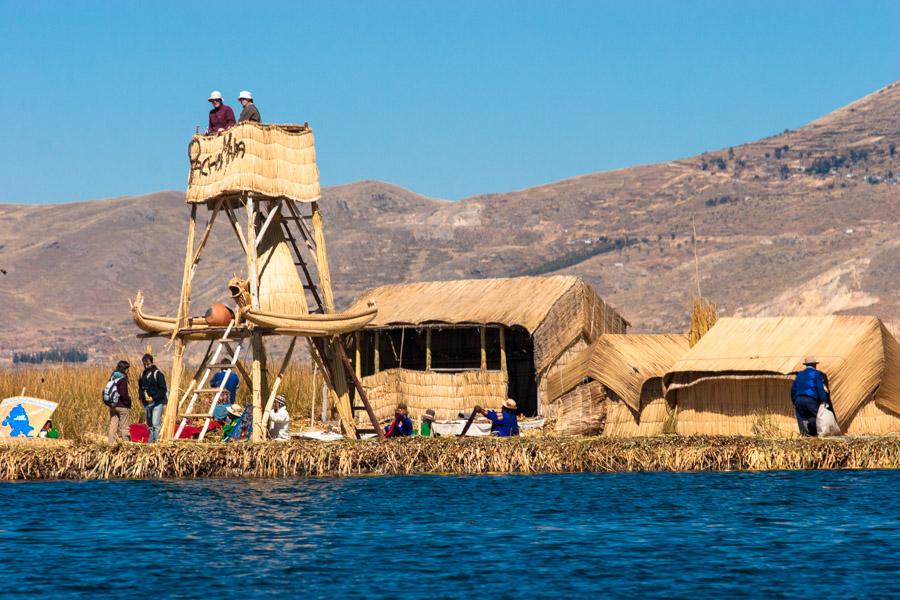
(803, 222)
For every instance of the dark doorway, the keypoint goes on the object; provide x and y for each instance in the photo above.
(520, 365)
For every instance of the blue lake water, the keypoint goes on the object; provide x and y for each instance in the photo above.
(817, 534)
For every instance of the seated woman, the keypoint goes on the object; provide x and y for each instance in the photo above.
(506, 424)
(402, 425)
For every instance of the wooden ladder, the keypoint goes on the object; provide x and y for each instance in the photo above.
(210, 363)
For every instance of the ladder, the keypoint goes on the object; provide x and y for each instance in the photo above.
(212, 363)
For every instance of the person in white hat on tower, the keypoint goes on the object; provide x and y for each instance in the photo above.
(249, 112)
(221, 117)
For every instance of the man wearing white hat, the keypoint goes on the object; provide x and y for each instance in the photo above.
(279, 421)
(221, 117)
(249, 112)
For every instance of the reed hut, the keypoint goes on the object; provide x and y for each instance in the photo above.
(737, 379)
(614, 387)
(448, 345)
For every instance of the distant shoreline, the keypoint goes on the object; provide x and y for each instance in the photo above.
(414, 456)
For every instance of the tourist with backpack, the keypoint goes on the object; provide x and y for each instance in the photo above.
(117, 399)
(153, 394)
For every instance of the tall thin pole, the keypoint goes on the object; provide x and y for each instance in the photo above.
(696, 260)
(176, 381)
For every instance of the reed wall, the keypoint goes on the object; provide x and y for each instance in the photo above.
(446, 393)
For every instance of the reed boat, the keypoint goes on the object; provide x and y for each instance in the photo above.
(303, 325)
(312, 325)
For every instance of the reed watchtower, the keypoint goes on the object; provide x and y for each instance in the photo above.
(264, 181)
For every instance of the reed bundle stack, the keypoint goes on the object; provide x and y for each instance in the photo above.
(442, 455)
(704, 315)
(737, 379)
(623, 373)
(448, 345)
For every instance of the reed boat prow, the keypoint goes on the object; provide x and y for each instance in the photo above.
(306, 325)
(161, 325)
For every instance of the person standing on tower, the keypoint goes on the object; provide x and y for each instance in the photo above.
(249, 112)
(221, 117)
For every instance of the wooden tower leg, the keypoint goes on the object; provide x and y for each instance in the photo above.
(176, 380)
(258, 391)
(337, 366)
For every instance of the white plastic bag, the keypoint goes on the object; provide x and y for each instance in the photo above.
(826, 423)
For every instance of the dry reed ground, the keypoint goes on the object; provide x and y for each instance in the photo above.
(79, 460)
(77, 389)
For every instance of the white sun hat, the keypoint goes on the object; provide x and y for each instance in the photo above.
(215, 95)
(245, 95)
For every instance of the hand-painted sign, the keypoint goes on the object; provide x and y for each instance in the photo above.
(270, 161)
(22, 417)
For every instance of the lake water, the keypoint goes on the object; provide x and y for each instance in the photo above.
(814, 534)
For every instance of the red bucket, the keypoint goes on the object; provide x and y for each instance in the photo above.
(139, 433)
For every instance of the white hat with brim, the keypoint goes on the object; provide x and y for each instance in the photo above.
(215, 95)
(235, 410)
(245, 95)
(510, 404)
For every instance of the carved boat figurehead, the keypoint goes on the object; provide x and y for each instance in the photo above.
(240, 293)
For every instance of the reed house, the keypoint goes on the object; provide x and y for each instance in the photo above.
(449, 345)
(737, 379)
(614, 386)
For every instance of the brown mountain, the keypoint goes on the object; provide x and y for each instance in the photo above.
(804, 222)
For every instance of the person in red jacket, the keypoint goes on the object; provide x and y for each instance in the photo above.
(221, 117)
(120, 414)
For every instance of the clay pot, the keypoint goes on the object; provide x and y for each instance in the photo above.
(218, 315)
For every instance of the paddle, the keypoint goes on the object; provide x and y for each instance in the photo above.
(475, 411)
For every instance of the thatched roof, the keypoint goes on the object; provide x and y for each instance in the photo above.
(522, 301)
(622, 363)
(857, 353)
(556, 310)
(270, 161)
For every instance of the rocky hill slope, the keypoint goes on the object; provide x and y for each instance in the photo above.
(803, 222)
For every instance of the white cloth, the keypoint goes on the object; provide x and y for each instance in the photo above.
(279, 423)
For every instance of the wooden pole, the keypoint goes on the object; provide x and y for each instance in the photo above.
(360, 390)
(331, 376)
(339, 376)
(275, 385)
(503, 351)
(483, 349)
(176, 381)
(357, 354)
(428, 349)
(696, 260)
(377, 361)
(259, 352)
(312, 399)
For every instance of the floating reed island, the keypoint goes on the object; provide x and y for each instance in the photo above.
(457, 456)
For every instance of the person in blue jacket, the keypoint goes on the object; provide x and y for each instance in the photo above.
(810, 389)
(231, 384)
(402, 425)
(506, 424)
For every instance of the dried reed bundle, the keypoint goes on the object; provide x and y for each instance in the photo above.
(442, 455)
(703, 317)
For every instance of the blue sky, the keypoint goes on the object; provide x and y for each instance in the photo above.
(446, 99)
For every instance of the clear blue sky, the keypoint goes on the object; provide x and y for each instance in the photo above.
(447, 99)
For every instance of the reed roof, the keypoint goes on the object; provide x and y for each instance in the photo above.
(522, 301)
(557, 311)
(857, 353)
(270, 161)
(622, 363)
